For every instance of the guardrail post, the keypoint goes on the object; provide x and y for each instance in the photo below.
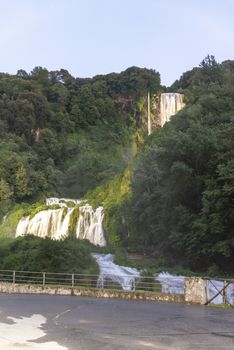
(101, 283)
(44, 278)
(225, 292)
(13, 277)
(134, 284)
(73, 279)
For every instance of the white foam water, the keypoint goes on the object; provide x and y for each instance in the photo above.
(124, 276)
(170, 284)
(170, 104)
(56, 223)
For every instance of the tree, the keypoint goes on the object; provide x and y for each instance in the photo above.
(209, 62)
(21, 183)
(214, 228)
(22, 74)
(182, 203)
(5, 190)
(5, 196)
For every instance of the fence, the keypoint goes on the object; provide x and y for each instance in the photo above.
(204, 290)
(219, 291)
(74, 280)
(195, 289)
(48, 278)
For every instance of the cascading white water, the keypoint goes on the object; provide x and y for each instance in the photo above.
(61, 201)
(171, 284)
(170, 104)
(90, 225)
(55, 223)
(47, 223)
(122, 275)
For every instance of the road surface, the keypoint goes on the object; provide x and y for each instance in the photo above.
(79, 323)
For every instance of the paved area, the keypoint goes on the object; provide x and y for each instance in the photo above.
(76, 323)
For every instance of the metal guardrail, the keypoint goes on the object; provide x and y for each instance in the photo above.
(216, 291)
(47, 278)
(75, 280)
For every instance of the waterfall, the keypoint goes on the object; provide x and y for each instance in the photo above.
(170, 284)
(149, 115)
(122, 275)
(90, 225)
(47, 223)
(61, 201)
(56, 223)
(170, 104)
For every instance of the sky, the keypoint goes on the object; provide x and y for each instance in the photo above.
(90, 37)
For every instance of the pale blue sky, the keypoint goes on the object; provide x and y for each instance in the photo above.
(89, 37)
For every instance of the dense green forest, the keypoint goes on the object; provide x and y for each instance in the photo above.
(183, 184)
(64, 136)
(168, 195)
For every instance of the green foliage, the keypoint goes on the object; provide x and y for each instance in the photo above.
(69, 204)
(5, 196)
(182, 205)
(21, 183)
(114, 196)
(149, 266)
(214, 226)
(9, 223)
(74, 219)
(35, 208)
(32, 253)
(58, 134)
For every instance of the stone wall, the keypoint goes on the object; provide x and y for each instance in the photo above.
(98, 293)
(195, 290)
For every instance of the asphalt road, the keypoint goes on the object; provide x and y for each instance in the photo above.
(78, 323)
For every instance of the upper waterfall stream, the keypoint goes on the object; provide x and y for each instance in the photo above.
(170, 104)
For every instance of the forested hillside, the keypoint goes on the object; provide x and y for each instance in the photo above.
(168, 195)
(183, 184)
(63, 136)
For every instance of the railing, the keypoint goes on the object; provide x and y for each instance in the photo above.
(48, 278)
(219, 291)
(214, 291)
(75, 280)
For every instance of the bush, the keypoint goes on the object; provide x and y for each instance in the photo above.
(32, 253)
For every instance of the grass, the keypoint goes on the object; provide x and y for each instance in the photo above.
(222, 306)
(8, 227)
